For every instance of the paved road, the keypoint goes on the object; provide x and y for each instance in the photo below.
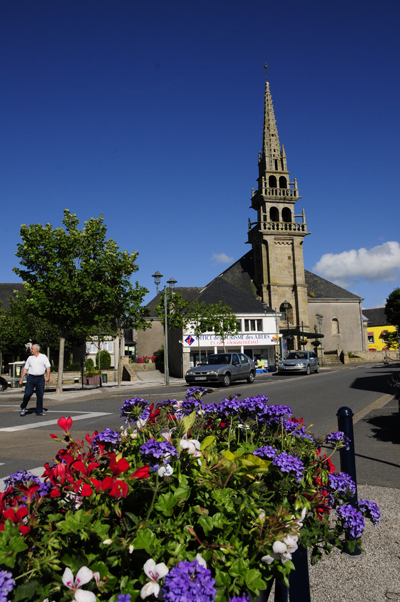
(25, 442)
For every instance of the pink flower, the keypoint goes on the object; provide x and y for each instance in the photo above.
(83, 576)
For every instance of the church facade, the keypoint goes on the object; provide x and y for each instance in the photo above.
(306, 306)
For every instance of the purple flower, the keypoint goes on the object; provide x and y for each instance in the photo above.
(342, 483)
(155, 450)
(189, 582)
(352, 520)
(266, 452)
(196, 392)
(45, 489)
(123, 598)
(107, 436)
(135, 409)
(294, 427)
(288, 463)
(188, 406)
(370, 510)
(338, 437)
(242, 598)
(21, 478)
(6, 585)
(168, 403)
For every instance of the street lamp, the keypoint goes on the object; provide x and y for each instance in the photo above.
(319, 320)
(171, 283)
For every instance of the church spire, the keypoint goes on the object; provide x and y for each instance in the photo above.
(271, 150)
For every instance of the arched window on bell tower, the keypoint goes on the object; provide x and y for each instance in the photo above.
(286, 215)
(286, 309)
(272, 181)
(274, 214)
(282, 182)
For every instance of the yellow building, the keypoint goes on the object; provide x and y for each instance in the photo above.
(378, 327)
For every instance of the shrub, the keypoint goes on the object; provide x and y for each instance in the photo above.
(105, 360)
(214, 498)
(89, 364)
(159, 356)
(74, 367)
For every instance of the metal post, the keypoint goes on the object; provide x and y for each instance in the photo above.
(347, 457)
(166, 366)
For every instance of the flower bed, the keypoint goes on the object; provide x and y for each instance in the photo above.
(191, 501)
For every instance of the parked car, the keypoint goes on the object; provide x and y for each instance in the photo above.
(3, 384)
(223, 368)
(299, 361)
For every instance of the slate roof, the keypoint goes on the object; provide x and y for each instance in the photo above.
(187, 292)
(319, 288)
(6, 291)
(218, 290)
(239, 301)
(241, 274)
(376, 316)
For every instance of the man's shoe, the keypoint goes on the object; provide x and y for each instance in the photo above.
(42, 414)
(22, 412)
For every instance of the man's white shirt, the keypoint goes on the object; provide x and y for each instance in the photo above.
(36, 366)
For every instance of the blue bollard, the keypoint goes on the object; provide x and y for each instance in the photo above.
(299, 579)
(348, 457)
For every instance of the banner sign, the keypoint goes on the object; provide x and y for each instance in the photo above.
(236, 340)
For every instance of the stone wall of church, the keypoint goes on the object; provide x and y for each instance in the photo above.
(341, 324)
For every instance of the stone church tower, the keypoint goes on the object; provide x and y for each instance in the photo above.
(278, 234)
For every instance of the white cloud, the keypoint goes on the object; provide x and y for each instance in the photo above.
(221, 258)
(381, 263)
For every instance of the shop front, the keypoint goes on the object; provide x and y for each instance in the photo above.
(260, 347)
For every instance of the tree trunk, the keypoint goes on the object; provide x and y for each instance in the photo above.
(120, 367)
(60, 365)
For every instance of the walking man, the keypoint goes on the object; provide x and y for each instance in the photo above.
(37, 365)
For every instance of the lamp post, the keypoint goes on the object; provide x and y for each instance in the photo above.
(319, 320)
(285, 305)
(171, 283)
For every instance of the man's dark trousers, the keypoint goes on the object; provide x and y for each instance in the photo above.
(32, 383)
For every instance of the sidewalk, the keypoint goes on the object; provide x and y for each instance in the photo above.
(145, 380)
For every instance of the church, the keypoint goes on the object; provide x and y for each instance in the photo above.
(306, 307)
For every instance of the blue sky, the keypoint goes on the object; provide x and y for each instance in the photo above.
(150, 112)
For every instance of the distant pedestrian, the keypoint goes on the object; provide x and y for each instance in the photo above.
(37, 365)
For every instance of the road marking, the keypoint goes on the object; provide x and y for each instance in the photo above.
(375, 405)
(24, 427)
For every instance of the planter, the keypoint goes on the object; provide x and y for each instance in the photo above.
(92, 380)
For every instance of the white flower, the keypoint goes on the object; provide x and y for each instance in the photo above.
(282, 550)
(84, 576)
(107, 542)
(130, 549)
(167, 434)
(201, 560)
(154, 572)
(165, 471)
(192, 446)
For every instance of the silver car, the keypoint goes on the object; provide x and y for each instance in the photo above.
(223, 368)
(299, 361)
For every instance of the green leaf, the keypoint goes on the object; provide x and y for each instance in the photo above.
(145, 540)
(254, 581)
(165, 503)
(207, 442)
(25, 591)
(188, 421)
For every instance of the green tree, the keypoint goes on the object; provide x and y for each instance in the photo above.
(392, 309)
(202, 317)
(391, 339)
(74, 278)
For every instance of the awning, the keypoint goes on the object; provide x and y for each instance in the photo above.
(296, 332)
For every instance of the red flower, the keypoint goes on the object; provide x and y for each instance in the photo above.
(117, 467)
(141, 473)
(65, 424)
(153, 414)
